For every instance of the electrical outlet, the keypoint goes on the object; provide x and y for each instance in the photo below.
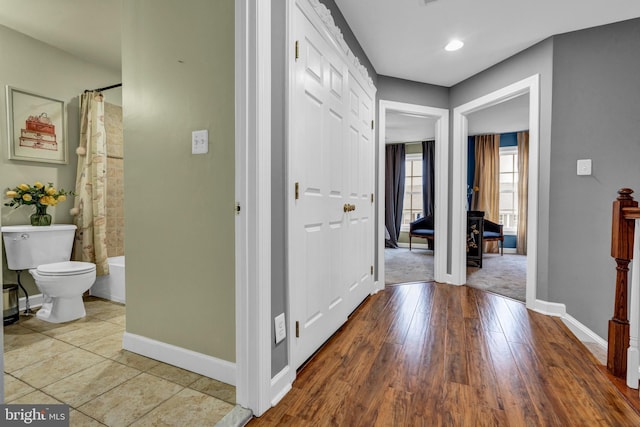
(281, 328)
(200, 142)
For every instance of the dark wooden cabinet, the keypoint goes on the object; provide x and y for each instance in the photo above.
(475, 228)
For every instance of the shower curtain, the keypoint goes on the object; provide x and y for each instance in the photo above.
(91, 186)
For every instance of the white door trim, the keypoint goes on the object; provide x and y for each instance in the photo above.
(441, 116)
(530, 85)
(253, 193)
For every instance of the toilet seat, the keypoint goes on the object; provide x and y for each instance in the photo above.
(66, 268)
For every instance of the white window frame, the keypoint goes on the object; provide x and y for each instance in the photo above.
(410, 157)
(511, 150)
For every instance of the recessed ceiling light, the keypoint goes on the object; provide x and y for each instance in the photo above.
(453, 45)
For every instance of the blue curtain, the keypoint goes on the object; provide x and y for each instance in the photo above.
(394, 191)
(428, 177)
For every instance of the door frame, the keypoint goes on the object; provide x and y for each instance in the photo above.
(530, 85)
(441, 116)
(253, 197)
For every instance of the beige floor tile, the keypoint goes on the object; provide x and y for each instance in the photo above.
(118, 320)
(78, 419)
(109, 346)
(187, 408)
(85, 385)
(136, 361)
(36, 398)
(174, 374)
(89, 332)
(131, 400)
(35, 324)
(64, 328)
(57, 367)
(43, 349)
(16, 336)
(103, 309)
(14, 388)
(107, 311)
(216, 389)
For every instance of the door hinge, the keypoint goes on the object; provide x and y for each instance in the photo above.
(297, 329)
(372, 124)
(297, 191)
(297, 50)
(372, 269)
(237, 208)
(371, 197)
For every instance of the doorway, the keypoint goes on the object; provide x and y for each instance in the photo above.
(498, 141)
(439, 118)
(531, 86)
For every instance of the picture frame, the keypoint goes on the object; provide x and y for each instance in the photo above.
(36, 127)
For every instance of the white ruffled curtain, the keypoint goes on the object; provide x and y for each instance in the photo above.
(90, 209)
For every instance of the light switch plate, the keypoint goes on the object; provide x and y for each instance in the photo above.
(200, 142)
(584, 167)
(281, 328)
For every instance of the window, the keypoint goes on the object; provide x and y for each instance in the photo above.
(509, 189)
(412, 206)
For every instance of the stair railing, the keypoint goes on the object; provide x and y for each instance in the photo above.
(623, 355)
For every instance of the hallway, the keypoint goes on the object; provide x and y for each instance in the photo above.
(428, 354)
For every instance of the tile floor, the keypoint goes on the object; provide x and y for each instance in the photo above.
(82, 364)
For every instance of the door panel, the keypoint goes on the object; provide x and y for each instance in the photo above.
(330, 249)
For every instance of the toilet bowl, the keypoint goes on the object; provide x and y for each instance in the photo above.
(62, 285)
(46, 252)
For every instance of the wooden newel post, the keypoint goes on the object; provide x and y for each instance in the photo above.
(622, 251)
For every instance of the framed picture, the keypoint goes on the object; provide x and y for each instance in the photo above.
(36, 127)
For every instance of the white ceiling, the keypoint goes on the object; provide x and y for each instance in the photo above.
(406, 38)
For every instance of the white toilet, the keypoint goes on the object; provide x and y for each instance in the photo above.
(46, 252)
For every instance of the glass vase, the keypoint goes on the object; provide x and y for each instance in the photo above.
(41, 217)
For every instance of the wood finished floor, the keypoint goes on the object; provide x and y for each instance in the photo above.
(435, 355)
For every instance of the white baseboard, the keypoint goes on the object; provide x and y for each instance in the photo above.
(34, 301)
(550, 308)
(578, 329)
(199, 363)
(280, 386)
(583, 333)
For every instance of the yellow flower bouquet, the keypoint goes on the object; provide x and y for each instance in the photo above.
(39, 195)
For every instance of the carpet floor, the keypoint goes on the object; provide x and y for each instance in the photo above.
(504, 275)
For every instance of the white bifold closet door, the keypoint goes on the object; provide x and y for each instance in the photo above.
(331, 178)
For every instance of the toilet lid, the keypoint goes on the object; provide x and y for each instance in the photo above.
(65, 268)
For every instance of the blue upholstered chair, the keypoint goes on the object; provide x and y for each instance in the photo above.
(493, 232)
(423, 228)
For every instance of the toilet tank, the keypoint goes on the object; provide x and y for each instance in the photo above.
(28, 247)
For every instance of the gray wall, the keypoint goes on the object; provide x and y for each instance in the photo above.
(409, 92)
(537, 59)
(278, 179)
(596, 99)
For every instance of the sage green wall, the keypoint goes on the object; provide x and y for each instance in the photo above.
(178, 76)
(65, 78)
